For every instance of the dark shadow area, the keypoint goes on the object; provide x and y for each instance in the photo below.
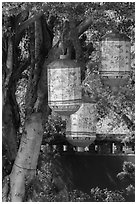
(89, 171)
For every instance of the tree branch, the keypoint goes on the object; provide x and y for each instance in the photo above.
(84, 25)
(26, 23)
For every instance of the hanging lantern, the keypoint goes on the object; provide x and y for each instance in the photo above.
(64, 86)
(81, 126)
(115, 60)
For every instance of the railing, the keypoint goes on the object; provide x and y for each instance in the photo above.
(104, 144)
(96, 149)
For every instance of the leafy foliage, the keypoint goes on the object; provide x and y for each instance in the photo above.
(106, 196)
(127, 178)
(79, 196)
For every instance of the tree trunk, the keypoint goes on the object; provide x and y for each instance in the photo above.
(7, 68)
(9, 137)
(9, 63)
(26, 161)
(8, 112)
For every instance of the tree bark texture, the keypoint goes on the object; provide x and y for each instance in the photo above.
(26, 161)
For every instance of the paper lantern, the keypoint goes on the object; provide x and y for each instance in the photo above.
(115, 60)
(81, 126)
(64, 86)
